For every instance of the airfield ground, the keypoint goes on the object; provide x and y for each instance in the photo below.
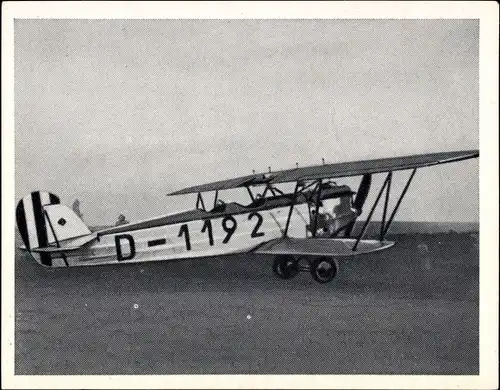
(410, 310)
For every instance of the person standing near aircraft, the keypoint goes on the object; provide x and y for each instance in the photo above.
(121, 220)
(76, 208)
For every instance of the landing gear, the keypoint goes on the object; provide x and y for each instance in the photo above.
(323, 269)
(285, 266)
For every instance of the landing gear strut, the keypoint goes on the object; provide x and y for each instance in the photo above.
(323, 269)
(285, 266)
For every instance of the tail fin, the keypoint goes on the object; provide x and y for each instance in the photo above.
(42, 221)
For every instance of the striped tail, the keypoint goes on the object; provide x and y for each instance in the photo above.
(42, 222)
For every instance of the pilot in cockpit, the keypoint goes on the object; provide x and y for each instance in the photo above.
(321, 222)
(343, 213)
(327, 224)
(220, 206)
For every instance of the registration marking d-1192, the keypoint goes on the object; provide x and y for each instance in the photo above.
(228, 224)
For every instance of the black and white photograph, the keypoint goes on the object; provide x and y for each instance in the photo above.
(255, 196)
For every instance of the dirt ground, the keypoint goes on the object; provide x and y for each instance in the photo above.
(412, 309)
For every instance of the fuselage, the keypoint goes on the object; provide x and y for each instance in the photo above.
(189, 239)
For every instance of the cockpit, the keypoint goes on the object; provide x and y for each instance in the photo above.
(235, 207)
(279, 199)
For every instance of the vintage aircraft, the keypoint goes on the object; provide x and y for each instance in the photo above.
(294, 227)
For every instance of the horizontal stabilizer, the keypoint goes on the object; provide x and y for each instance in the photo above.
(53, 249)
(67, 245)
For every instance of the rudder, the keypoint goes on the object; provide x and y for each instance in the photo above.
(42, 221)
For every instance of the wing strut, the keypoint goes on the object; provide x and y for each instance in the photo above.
(216, 197)
(365, 225)
(386, 229)
(318, 200)
(294, 198)
(199, 200)
(386, 204)
(250, 193)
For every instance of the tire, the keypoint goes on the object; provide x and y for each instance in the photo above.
(285, 266)
(323, 269)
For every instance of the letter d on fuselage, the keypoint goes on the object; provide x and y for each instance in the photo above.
(118, 242)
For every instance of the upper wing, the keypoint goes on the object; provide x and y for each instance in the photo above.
(329, 171)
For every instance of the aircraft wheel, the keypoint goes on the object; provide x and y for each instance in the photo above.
(323, 269)
(285, 266)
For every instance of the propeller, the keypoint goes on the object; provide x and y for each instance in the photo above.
(361, 195)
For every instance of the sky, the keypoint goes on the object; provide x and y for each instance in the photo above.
(118, 113)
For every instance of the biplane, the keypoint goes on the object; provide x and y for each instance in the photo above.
(308, 229)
